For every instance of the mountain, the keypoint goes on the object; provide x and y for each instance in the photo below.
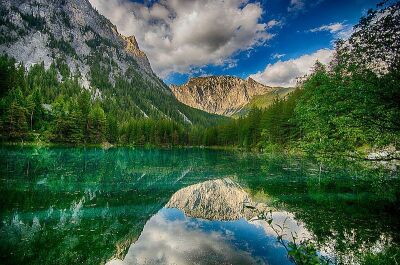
(44, 31)
(224, 95)
(72, 38)
(265, 100)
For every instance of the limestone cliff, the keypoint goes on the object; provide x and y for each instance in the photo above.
(73, 31)
(225, 95)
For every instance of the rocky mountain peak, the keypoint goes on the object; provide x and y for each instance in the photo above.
(252, 82)
(133, 47)
(225, 95)
(73, 31)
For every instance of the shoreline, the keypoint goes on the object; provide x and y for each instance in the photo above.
(378, 158)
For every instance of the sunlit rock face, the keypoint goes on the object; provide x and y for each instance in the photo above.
(220, 199)
(224, 95)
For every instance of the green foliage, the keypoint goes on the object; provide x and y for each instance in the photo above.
(61, 45)
(390, 255)
(33, 21)
(145, 131)
(96, 124)
(305, 253)
(375, 41)
(341, 113)
(35, 109)
(131, 112)
(63, 69)
(67, 126)
(8, 74)
(260, 129)
(344, 109)
(15, 122)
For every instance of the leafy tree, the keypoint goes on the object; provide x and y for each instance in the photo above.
(375, 43)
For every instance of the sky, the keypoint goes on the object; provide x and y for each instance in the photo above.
(271, 41)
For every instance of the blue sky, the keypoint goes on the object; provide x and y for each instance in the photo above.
(183, 38)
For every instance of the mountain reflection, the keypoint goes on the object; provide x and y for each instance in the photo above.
(220, 199)
(209, 223)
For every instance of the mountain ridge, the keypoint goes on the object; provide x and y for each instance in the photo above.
(223, 95)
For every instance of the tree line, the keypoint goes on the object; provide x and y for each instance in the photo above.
(36, 105)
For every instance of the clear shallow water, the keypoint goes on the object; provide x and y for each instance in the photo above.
(71, 205)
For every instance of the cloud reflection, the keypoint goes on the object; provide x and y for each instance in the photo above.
(171, 238)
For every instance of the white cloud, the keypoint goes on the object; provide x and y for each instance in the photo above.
(277, 55)
(296, 5)
(274, 23)
(339, 30)
(284, 73)
(179, 35)
(301, 6)
(332, 28)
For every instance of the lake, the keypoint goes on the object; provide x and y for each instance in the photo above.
(187, 206)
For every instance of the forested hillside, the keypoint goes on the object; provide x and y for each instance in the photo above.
(349, 107)
(35, 105)
(265, 100)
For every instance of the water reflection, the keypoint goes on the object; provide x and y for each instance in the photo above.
(213, 222)
(84, 206)
(170, 237)
(220, 199)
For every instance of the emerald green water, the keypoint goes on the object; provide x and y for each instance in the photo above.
(86, 206)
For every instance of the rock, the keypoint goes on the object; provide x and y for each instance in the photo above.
(225, 95)
(106, 145)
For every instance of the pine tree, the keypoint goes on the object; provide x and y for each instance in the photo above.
(97, 124)
(16, 125)
(84, 103)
